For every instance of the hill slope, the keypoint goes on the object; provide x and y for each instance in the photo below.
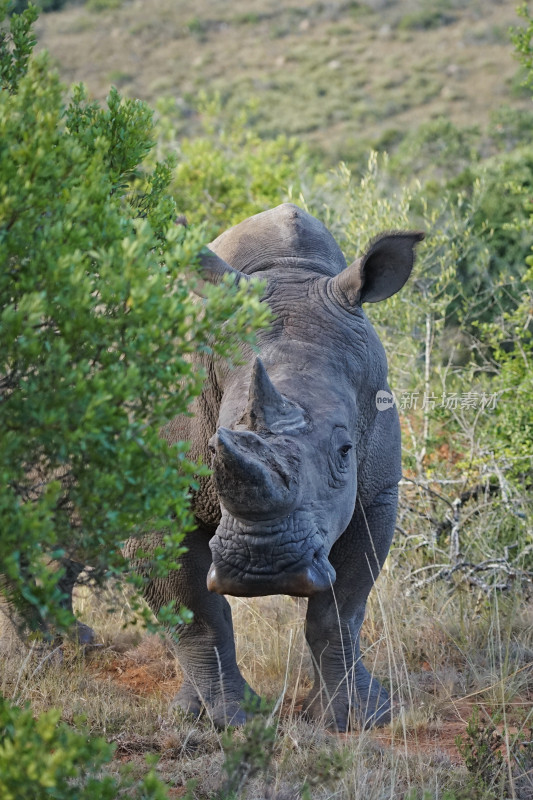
(337, 74)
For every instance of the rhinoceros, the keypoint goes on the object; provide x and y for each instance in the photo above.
(305, 466)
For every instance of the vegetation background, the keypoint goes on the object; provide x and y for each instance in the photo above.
(430, 111)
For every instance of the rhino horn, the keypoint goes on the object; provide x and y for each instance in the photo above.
(380, 272)
(252, 480)
(267, 410)
(212, 270)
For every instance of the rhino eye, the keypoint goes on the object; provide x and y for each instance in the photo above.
(338, 458)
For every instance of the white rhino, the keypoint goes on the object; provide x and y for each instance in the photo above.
(303, 494)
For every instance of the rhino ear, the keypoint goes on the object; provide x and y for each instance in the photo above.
(380, 272)
(212, 270)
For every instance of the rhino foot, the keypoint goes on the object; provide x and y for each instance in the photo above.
(222, 707)
(84, 635)
(339, 714)
(375, 711)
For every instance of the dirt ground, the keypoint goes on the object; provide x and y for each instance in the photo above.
(157, 676)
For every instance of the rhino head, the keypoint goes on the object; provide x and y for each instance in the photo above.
(269, 540)
(299, 437)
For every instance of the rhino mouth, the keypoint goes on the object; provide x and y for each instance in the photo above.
(304, 581)
(249, 561)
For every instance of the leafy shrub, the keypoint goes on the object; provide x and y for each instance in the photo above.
(42, 758)
(522, 38)
(503, 216)
(510, 127)
(498, 191)
(18, 6)
(16, 45)
(512, 334)
(511, 432)
(96, 331)
(436, 149)
(229, 172)
(483, 747)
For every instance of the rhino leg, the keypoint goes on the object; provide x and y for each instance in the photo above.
(206, 647)
(343, 688)
(82, 633)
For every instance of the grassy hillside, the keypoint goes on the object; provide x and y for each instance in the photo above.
(340, 75)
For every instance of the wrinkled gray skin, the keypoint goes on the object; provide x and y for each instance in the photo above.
(302, 499)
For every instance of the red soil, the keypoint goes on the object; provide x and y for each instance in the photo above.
(151, 672)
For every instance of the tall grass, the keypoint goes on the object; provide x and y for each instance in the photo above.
(439, 653)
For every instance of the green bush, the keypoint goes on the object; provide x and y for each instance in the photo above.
(522, 38)
(43, 758)
(96, 332)
(436, 149)
(497, 189)
(228, 172)
(503, 216)
(511, 432)
(510, 128)
(18, 6)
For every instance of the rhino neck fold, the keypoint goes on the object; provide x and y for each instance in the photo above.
(284, 557)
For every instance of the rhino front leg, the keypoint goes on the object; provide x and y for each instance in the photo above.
(343, 688)
(83, 634)
(206, 647)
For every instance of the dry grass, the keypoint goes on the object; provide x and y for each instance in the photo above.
(340, 75)
(439, 655)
